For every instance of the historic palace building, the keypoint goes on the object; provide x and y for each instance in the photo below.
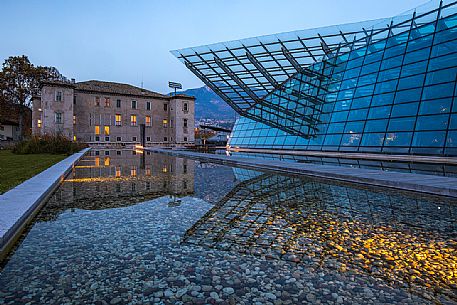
(384, 86)
(105, 113)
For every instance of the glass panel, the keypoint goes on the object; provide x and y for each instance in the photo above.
(372, 139)
(432, 122)
(405, 110)
(375, 125)
(435, 106)
(429, 138)
(403, 124)
(379, 112)
(398, 139)
(451, 139)
(438, 91)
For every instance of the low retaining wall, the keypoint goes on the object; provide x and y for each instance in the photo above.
(19, 205)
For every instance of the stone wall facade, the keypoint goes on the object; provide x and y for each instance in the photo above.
(101, 113)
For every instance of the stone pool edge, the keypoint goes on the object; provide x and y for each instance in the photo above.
(426, 184)
(20, 204)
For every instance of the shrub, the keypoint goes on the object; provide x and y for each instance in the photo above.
(47, 144)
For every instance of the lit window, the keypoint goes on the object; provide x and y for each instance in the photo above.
(148, 120)
(107, 161)
(133, 120)
(97, 129)
(97, 101)
(133, 171)
(118, 103)
(58, 118)
(97, 161)
(148, 105)
(148, 171)
(165, 123)
(133, 104)
(107, 130)
(74, 119)
(164, 169)
(74, 138)
(39, 123)
(107, 102)
(118, 171)
(58, 96)
(118, 120)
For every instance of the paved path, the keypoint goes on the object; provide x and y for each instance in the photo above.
(437, 185)
(18, 204)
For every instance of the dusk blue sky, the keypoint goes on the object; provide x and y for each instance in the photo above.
(129, 41)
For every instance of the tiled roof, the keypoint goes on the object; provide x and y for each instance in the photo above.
(116, 88)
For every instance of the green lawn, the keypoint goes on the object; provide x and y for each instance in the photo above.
(15, 169)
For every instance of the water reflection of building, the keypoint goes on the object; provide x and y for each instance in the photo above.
(117, 178)
(403, 240)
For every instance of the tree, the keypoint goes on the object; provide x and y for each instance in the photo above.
(20, 80)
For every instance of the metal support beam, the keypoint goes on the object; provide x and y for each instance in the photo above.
(261, 69)
(236, 79)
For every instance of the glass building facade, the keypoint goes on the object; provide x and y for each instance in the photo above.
(382, 86)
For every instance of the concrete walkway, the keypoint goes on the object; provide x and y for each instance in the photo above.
(18, 205)
(436, 185)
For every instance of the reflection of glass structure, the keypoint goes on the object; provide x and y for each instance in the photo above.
(392, 237)
(377, 86)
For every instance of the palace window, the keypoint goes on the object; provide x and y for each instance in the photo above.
(39, 123)
(58, 96)
(118, 120)
(97, 129)
(133, 120)
(185, 107)
(148, 105)
(107, 130)
(185, 122)
(148, 121)
(133, 104)
(97, 101)
(74, 119)
(107, 102)
(148, 139)
(165, 123)
(119, 139)
(118, 103)
(165, 107)
(134, 139)
(58, 118)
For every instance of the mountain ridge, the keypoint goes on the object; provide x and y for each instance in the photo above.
(208, 105)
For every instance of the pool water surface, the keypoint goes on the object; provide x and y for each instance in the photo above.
(150, 228)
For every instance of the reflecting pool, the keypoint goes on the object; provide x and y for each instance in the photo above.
(149, 228)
